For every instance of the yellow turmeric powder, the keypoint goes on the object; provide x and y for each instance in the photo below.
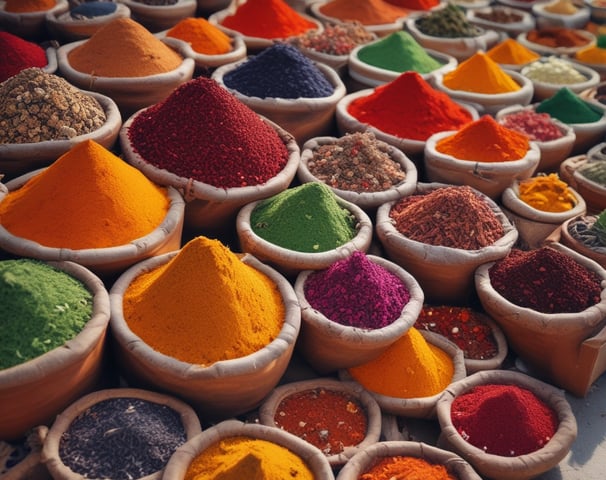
(480, 74)
(204, 305)
(485, 140)
(409, 468)
(123, 48)
(410, 368)
(239, 457)
(547, 193)
(87, 198)
(27, 6)
(202, 35)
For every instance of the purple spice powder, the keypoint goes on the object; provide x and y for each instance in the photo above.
(357, 292)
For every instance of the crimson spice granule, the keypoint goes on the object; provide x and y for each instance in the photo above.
(464, 326)
(121, 438)
(545, 280)
(452, 216)
(502, 419)
(357, 292)
(356, 162)
(201, 131)
(538, 126)
(328, 419)
(334, 38)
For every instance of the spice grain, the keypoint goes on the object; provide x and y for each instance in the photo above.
(413, 468)
(17, 54)
(334, 39)
(538, 126)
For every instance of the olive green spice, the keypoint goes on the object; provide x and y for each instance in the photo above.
(447, 22)
(41, 308)
(306, 218)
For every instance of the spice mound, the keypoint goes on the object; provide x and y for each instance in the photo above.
(28, 6)
(594, 170)
(452, 216)
(367, 12)
(556, 37)
(511, 52)
(17, 54)
(427, 369)
(553, 70)
(201, 131)
(570, 108)
(335, 39)
(41, 308)
(203, 36)
(121, 438)
(547, 193)
(391, 467)
(464, 326)
(505, 420)
(307, 218)
(240, 457)
(357, 292)
(539, 127)
(279, 71)
(88, 198)
(89, 10)
(447, 22)
(545, 280)
(36, 106)
(330, 420)
(480, 74)
(357, 162)
(123, 48)
(204, 305)
(269, 19)
(410, 108)
(485, 140)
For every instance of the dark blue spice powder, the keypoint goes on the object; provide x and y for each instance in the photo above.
(279, 71)
(122, 438)
(92, 9)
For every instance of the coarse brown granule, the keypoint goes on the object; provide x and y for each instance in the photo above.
(356, 162)
(36, 106)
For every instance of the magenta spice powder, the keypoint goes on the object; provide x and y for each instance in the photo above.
(357, 292)
(201, 131)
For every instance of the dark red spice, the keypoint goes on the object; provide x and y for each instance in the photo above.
(17, 54)
(201, 131)
(452, 216)
(357, 292)
(328, 419)
(545, 280)
(506, 420)
(464, 326)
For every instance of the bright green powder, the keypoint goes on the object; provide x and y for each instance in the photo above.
(568, 107)
(41, 308)
(306, 218)
(398, 52)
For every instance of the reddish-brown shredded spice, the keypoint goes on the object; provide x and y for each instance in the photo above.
(328, 419)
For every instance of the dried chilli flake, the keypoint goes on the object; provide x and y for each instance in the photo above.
(538, 126)
(453, 216)
(122, 439)
(334, 39)
(466, 327)
(331, 420)
(356, 162)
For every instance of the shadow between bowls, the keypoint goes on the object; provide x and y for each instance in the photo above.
(329, 346)
(106, 262)
(129, 93)
(224, 389)
(521, 467)
(61, 375)
(18, 159)
(421, 407)
(268, 411)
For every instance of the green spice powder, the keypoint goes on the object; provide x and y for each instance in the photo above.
(568, 107)
(41, 308)
(398, 52)
(306, 218)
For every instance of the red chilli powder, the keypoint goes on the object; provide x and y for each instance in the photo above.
(505, 420)
(201, 131)
(17, 54)
(409, 107)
